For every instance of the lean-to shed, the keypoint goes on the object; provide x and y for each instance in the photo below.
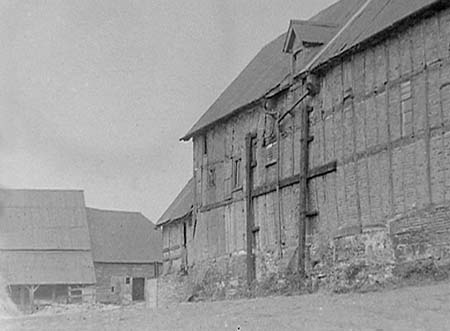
(176, 224)
(127, 253)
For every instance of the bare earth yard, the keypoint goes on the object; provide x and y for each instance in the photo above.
(409, 308)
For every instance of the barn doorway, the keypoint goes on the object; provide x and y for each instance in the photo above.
(138, 288)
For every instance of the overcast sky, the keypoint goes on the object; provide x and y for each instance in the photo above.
(95, 94)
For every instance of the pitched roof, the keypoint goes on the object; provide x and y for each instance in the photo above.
(181, 206)
(123, 237)
(269, 68)
(44, 237)
(310, 32)
(47, 267)
(43, 219)
(378, 16)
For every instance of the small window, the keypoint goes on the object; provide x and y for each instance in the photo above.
(406, 109)
(237, 180)
(205, 145)
(211, 177)
(271, 150)
(254, 143)
(127, 280)
(112, 289)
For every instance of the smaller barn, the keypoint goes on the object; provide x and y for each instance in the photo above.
(126, 250)
(45, 251)
(177, 227)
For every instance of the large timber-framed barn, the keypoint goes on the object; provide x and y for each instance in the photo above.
(331, 146)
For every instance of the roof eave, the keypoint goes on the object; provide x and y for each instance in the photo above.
(173, 220)
(196, 132)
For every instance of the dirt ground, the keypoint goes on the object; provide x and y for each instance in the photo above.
(409, 308)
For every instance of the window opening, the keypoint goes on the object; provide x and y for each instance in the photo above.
(406, 109)
(236, 173)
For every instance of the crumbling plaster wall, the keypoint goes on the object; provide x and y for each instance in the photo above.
(384, 115)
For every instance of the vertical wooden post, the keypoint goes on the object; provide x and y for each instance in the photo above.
(22, 296)
(249, 205)
(31, 297)
(31, 290)
(53, 293)
(303, 203)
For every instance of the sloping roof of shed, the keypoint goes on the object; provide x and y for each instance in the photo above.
(181, 206)
(123, 237)
(43, 219)
(44, 237)
(47, 267)
(269, 67)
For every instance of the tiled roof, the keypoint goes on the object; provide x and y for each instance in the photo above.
(270, 66)
(378, 16)
(123, 237)
(44, 237)
(181, 206)
(47, 267)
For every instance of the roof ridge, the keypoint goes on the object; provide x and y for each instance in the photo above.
(41, 189)
(338, 33)
(115, 210)
(315, 23)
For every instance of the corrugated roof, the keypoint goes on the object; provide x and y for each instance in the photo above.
(38, 230)
(123, 237)
(181, 206)
(265, 71)
(378, 16)
(47, 267)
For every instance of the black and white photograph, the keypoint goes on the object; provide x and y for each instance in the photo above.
(224, 165)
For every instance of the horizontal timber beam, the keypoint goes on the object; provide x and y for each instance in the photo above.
(316, 172)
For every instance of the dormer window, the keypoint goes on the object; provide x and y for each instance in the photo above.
(304, 39)
(307, 34)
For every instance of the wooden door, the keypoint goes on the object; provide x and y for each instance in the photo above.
(138, 288)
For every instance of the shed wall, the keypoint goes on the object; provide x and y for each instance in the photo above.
(114, 275)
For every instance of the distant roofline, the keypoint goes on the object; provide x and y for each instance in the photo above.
(127, 262)
(115, 210)
(122, 212)
(41, 189)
